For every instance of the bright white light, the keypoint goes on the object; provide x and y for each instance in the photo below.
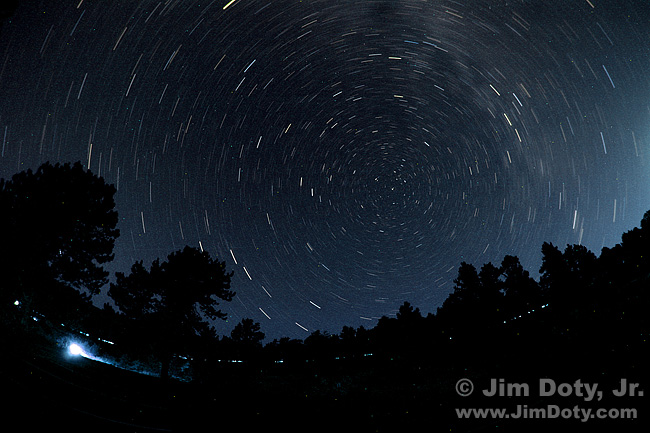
(76, 350)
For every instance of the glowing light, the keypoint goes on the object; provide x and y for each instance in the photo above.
(76, 350)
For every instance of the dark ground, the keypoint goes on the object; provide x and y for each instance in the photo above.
(48, 389)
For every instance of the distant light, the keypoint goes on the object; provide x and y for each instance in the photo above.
(16, 302)
(76, 350)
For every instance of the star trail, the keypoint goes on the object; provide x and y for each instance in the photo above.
(341, 157)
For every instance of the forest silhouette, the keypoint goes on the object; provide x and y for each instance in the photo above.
(586, 318)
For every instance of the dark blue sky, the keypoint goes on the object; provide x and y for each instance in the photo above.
(340, 156)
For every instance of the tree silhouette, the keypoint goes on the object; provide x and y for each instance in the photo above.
(406, 313)
(135, 294)
(285, 349)
(624, 275)
(245, 341)
(568, 278)
(321, 344)
(57, 228)
(349, 340)
(466, 292)
(168, 304)
(247, 332)
(521, 292)
(491, 294)
(632, 255)
(476, 299)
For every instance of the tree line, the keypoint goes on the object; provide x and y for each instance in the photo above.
(58, 227)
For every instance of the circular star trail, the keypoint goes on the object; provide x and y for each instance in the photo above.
(341, 157)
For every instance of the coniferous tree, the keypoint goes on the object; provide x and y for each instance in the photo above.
(247, 331)
(167, 305)
(57, 228)
(521, 292)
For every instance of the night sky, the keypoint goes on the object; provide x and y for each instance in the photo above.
(341, 157)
